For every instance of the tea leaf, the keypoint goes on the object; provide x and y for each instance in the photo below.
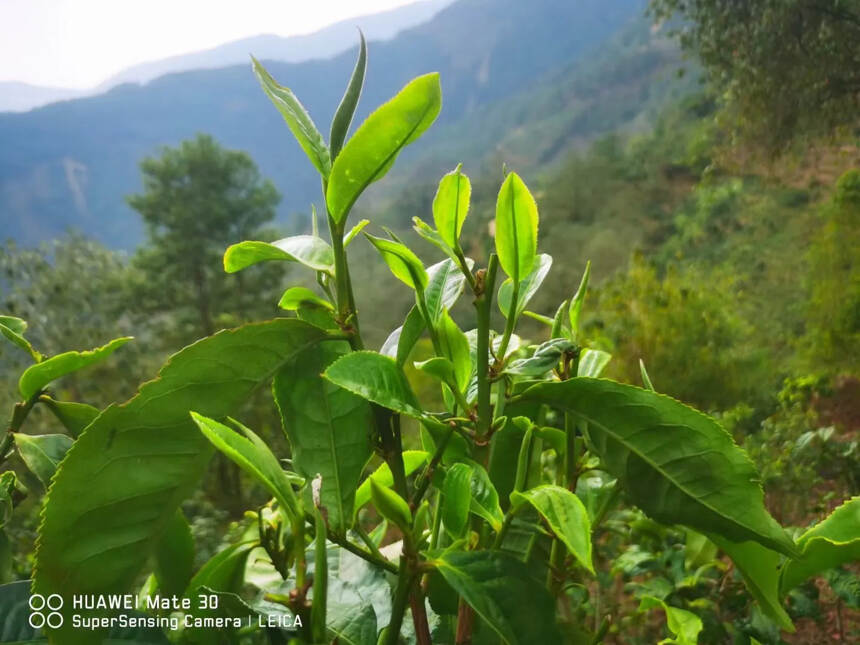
(412, 460)
(684, 625)
(677, 464)
(451, 206)
(345, 111)
(296, 297)
(376, 378)
(404, 264)
(297, 118)
(309, 250)
(329, 429)
(565, 515)
(74, 416)
(123, 479)
(592, 362)
(42, 453)
(833, 541)
(174, 556)
(578, 300)
(502, 592)
(390, 505)
(456, 499)
(39, 375)
(516, 228)
(528, 287)
(444, 287)
(455, 347)
(374, 147)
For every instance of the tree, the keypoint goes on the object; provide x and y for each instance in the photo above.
(788, 67)
(198, 198)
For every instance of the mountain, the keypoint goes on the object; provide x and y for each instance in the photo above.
(325, 43)
(20, 97)
(70, 164)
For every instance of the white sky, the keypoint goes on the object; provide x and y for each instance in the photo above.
(79, 43)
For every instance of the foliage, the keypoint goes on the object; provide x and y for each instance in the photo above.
(789, 69)
(537, 480)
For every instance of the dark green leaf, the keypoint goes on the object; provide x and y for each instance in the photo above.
(516, 228)
(833, 541)
(502, 592)
(345, 111)
(329, 429)
(759, 567)
(42, 453)
(124, 477)
(351, 625)
(376, 378)
(372, 150)
(174, 556)
(456, 499)
(309, 250)
(39, 375)
(297, 118)
(565, 515)
(676, 464)
(451, 206)
(74, 416)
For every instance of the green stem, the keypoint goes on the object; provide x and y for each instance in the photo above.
(398, 605)
(373, 556)
(16, 420)
(347, 315)
(427, 474)
(509, 325)
(571, 454)
(483, 301)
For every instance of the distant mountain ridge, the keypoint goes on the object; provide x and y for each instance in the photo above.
(70, 164)
(323, 43)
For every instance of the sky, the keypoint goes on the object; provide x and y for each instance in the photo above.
(79, 43)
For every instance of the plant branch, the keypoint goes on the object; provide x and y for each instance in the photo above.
(376, 559)
(16, 420)
(483, 299)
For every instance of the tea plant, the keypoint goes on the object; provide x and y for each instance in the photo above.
(486, 534)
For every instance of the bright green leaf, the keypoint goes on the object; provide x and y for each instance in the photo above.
(345, 111)
(676, 464)
(309, 250)
(253, 456)
(683, 624)
(565, 515)
(412, 460)
(455, 347)
(516, 228)
(297, 118)
(404, 264)
(374, 147)
(485, 498)
(578, 300)
(833, 541)
(39, 375)
(13, 329)
(528, 286)
(376, 378)
(444, 286)
(295, 297)
(43, 453)
(400, 342)
(390, 505)
(451, 206)
(592, 362)
(354, 231)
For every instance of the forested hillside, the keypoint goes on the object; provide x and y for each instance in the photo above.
(70, 164)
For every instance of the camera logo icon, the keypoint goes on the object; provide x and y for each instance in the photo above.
(45, 611)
